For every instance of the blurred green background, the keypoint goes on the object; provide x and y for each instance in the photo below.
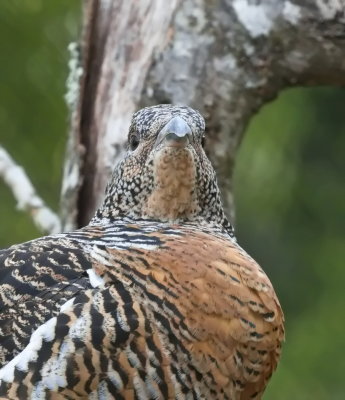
(290, 199)
(34, 36)
(289, 187)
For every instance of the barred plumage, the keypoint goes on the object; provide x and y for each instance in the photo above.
(154, 299)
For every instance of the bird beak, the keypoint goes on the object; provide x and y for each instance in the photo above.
(176, 133)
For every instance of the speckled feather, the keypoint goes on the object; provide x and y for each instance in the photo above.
(153, 300)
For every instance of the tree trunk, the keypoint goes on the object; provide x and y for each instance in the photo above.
(225, 58)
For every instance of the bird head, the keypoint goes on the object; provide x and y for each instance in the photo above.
(165, 174)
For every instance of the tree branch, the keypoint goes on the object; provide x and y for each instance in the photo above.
(226, 58)
(27, 199)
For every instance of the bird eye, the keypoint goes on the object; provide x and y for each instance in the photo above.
(133, 142)
(203, 141)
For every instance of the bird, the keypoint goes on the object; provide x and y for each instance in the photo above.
(153, 299)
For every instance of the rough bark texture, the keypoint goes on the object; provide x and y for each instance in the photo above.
(224, 57)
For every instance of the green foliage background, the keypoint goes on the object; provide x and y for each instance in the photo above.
(34, 35)
(289, 187)
(289, 190)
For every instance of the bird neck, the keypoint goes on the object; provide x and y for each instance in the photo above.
(173, 196)
(113, 211)
(168, 190)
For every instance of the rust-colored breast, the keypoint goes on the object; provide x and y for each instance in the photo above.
(221, 313)
(182, 314)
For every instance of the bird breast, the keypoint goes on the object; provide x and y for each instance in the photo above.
(174, 191)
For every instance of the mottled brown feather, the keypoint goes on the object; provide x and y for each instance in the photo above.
(153, 300)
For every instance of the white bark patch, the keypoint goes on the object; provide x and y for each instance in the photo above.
(253, 17)
(297, 61)
(329, 8)
(227, 63)
(225, 66)
(71, 180)
(292, 13)
(24, 192)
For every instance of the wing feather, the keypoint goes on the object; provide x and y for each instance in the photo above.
(36, 278)
(191, 314)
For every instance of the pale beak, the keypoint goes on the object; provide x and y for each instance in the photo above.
(176, 133)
